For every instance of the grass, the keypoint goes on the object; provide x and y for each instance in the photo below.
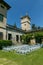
(11, 58)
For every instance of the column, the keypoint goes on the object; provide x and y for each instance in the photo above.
(19, 38)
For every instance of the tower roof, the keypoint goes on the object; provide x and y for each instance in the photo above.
(25, 17)
(4, 3)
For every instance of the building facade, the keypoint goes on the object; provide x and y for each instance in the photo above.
(8, 32)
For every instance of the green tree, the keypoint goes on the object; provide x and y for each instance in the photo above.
(37, 35)
(15, 25)
(34, 27)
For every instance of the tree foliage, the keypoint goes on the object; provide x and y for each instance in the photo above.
(34, 27)
(37, 35)
(15, 26)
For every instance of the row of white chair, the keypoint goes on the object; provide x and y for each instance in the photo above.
(23, 48)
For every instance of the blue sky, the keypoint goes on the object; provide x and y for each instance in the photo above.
(19, 8)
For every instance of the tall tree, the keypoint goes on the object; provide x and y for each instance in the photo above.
(15, 25)
(34, 27)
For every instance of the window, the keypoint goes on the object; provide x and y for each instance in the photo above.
(1, 35)
(1, 17)
(2, 6)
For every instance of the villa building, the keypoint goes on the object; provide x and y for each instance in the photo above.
(9, 32)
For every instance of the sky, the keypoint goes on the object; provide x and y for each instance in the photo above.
(19, 8)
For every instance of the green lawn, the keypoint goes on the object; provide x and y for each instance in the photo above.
(11, 58)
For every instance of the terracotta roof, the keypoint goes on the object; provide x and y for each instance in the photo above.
(4, 3)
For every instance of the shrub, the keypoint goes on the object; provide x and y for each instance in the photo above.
(5, 43)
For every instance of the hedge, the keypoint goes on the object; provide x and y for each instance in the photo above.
(5, 43)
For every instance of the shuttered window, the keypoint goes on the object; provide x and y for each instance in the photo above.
(1, 17)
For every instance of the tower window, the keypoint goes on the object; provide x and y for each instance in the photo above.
(1, 17)
(25, 24)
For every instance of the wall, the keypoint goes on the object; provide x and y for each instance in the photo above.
(3, 11)
(26, 27)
